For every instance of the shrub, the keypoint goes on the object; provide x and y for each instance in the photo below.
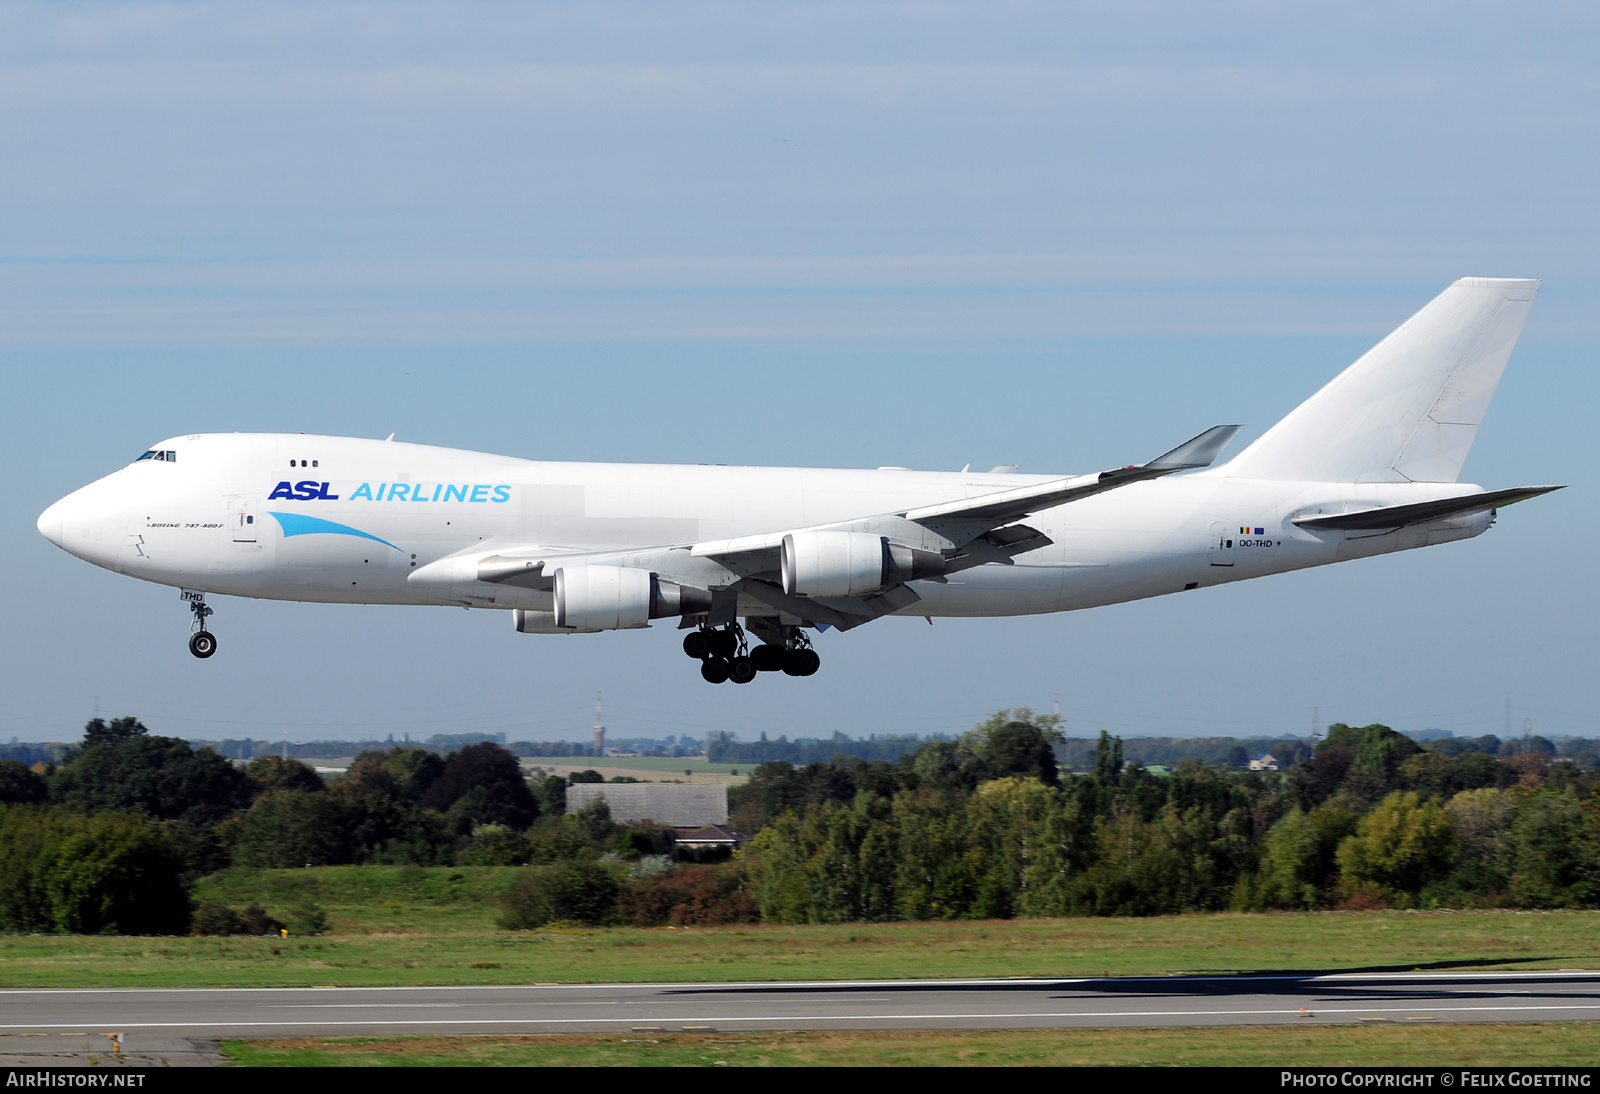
(580, 892)
(257, 921)
(699, 896)
(217, 919)
(494, 845)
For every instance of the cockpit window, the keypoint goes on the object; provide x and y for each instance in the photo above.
(165, 455)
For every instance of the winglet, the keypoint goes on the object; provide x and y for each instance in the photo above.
(1202, 451)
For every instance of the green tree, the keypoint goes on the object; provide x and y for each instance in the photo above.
(28, 839)
(18, 785)
(125, 768)
(1298, 865)
(278, 773)
(1107, 758)
(1008, 823)
(101, 732)
(118, 875)
(1404, 845)
(1552, 853)
(290, 828)
(490, 777)
(935, 876)
(1377, 753)
(1020, 749)
(115, 873)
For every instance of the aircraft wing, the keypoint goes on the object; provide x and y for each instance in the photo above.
(965, 532)
(1008, 505)
(993, 510)
(956, 535)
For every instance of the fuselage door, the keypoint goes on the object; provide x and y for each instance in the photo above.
(1221, 544)
(243, 514)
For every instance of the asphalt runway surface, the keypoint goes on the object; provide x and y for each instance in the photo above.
(869, 1004)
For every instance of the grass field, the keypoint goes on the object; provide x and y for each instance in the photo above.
(414, 925)
(1543, 1045)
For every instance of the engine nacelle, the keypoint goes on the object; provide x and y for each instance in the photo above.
(530, 621)
(850, 563)
(602, 598)
(608, 598)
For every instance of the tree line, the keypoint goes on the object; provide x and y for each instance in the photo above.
(989, 825)
(725, 748)
(113, 837)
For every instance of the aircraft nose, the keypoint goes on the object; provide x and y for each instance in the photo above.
(50, 524)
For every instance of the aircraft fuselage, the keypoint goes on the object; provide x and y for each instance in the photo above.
(345, 520)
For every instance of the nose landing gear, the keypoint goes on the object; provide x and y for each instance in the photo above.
(724, 653)
(202, 643)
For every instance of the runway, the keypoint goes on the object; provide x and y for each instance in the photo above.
(867, 1004)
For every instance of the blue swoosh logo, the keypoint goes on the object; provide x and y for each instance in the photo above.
(298, 524)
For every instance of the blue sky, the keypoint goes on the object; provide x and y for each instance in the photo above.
(1065, 236)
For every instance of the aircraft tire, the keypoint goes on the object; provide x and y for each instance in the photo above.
(808, 662)
(714, 670)
(723, 644)
(696, 645)
(202, 644)
(767, 658)
(741, 671)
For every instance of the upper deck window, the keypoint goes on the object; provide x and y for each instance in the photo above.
(165, 455)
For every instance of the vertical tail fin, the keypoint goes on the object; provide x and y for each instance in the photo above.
(1409, 409)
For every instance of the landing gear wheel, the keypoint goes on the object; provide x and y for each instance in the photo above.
(697, 645)
(741, 671)
(803, 662)
(202, 643)
(767, 658)
(714, 670)
(723, 643)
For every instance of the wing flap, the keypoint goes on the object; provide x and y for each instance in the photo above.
(842, 613)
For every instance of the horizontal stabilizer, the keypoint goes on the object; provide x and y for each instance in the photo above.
(1398, 516)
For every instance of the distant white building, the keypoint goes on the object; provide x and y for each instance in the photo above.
(712, 836)
(679, 805)
(1264, 762)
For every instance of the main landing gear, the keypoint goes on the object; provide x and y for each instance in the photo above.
(202, 643)
(724, 653)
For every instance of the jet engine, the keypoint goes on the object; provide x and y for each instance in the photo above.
(851, 563)
(605, 598)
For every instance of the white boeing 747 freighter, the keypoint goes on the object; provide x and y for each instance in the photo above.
(1366, 466)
